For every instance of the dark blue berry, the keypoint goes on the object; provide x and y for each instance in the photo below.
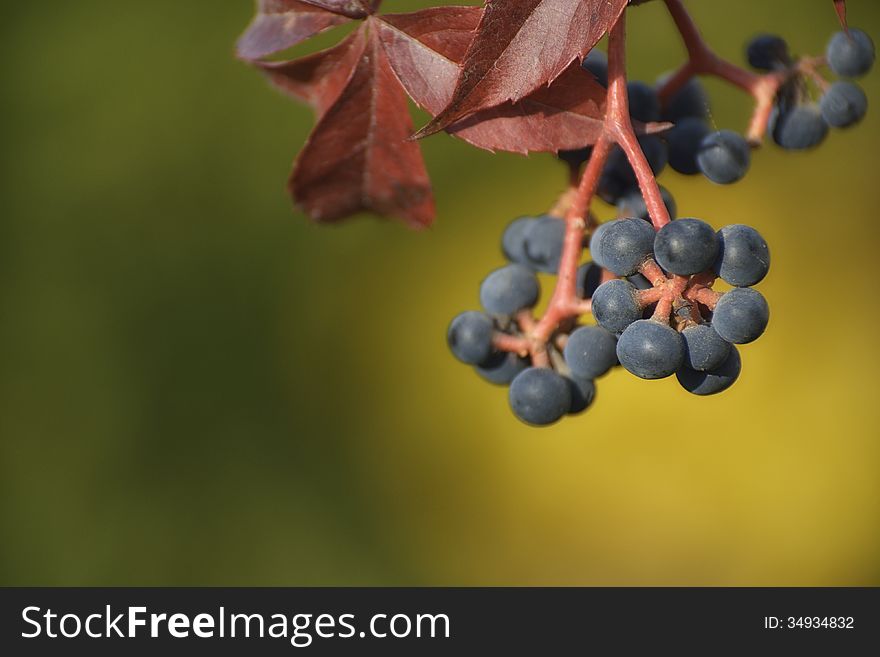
(843, 105)
(543, 243)
(502, 367)
(683, 141)
(798, 128)
(643, 103)
(575, 157)
(539, 396)
(587, 279)
(767, 52)
(744, 257)
(615, 306)
(590, 352)
(583, 391)
(741, 315)
(596, 238)
(470, 337)
(704, 349)
(618, 166)
(596, 62)
(612, 186)
(632, 204)
(712, 381)
(508, 290)
(513, 240)
(650, 350)
(639, 282)
(689, 101)
(686, 246)
(850, 54)
(724, 156)
(622, 245)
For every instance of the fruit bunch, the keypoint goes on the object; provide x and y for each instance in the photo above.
(679, 324)
(648, 284)
(538, 395)
(689, 147)
(800, 122)
(644, 298)
(660, 317)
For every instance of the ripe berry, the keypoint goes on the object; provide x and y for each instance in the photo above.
(724, 156)
(686, 246)
(704, 349)
(539, 396)
(799, 127)
(621, 246)
(619, 168)
(583, 391)
(639, 282)
(508, 290)
(650, 350)
(470, 337)
(587, 279)
(575, 157)
(843, 105)
(596, 62)
(643, 103)
(683, 140)
(689, 101)
(741, 315)
(850, 54)
(712, 381)
(744, 257)
(612, 186)
(543, 243)
(513, 240)
(502, 367)
(632, 204)
(615, 306)
(590, 352)
(767, 52)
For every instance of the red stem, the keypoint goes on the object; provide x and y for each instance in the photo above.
(702, 60)
(619, 126)
(564, 305)
(511, 343)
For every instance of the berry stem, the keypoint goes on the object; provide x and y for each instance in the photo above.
(702, 60)
(706, 296)
(619, 126)
(651, 270)
(564, 306)
(511, 343)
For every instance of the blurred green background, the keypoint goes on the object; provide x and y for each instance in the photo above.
(197, 386)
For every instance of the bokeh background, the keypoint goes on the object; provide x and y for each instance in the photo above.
(197, 386)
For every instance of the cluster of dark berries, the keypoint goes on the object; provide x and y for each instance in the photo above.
(799, 122)
(679, 325)
(538, 395)
(692, 336)
(690, 147)
(651, 291)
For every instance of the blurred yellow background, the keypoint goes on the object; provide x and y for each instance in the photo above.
(199, 387)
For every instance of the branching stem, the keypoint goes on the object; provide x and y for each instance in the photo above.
(668, 293)
(702, 60)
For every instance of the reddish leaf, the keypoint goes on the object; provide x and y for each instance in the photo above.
(281, 24)
(359, 156)
(424, 47)
(521, 45)
(350, 8)
(566, 115)
(318, 79)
